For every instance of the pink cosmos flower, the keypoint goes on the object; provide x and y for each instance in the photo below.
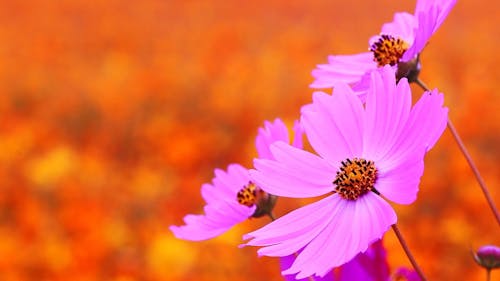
(365, 154)
(398, 45)
(233, 197)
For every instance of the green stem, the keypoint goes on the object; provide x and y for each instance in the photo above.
(469, 160)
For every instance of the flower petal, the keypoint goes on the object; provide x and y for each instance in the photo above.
(430, 15)
(355, 225)
(402, 26)
(270, 133)
(293, 231)
(222, 210)
(294, 173)
(334, 124)
(217, 220)
(423, 128)
(342, 68)
(387, 110)
(399, 181)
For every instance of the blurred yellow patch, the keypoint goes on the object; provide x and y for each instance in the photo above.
(46, 170)
(169, 258)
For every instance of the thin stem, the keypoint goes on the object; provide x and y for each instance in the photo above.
(488, 274)
(469, 160)
(408, 252)
(271, 216)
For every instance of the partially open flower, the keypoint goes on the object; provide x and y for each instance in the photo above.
(233, 196)
(398, 45)
(488, 257)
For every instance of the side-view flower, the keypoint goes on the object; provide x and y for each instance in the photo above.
(398, 45)
(233, 197)
(366, 155)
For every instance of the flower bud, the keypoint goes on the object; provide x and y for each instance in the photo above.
(488, 257)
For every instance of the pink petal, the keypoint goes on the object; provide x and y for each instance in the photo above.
(387, 110)
(293, 231)
(430, 15)
(294, 173)
(402, 26)
(423, 128)
(423, 32)
(222, 210)
(400, 181)
(354, 227)
(232, 181)
(443, 6)
(298, 134)
(342, 68)
(334, 124)
(217, 220)
(269, 134)
(196, 231)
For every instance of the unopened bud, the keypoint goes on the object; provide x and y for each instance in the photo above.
(488, 257)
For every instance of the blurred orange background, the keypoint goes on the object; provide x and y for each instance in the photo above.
(113, 113)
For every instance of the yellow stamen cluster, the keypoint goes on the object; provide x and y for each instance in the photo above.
(388, 50)
(248, 195)
(355, 178)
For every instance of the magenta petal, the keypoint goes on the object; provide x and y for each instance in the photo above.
(425, 28)
(334, 123)
(222, 210)
(387, 110)
(354, 226)
(293, 231)
(197, 230)
(342, 69)
(423, 128)
(286, 262)
(402, 26)
(295, 173)
(442, 6)
(399, 182)
(298, 135)
(267, 135)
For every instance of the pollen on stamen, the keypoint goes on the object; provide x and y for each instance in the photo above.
(355, 178)
(247, 195)
(388, 50)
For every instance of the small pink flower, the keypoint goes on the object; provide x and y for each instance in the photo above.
(398, 44)
(365, 154)
(233, 197)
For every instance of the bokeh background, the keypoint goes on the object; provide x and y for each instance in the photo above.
(113, 113)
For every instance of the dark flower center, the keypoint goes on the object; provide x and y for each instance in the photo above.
(248, 194)
(388, 50)
(355, 178)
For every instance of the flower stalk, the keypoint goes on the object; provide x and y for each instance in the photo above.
(408, 252)
(469, 160)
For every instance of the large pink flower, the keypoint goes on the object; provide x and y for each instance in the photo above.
(232, 197)
(365, 154)
(401, 40)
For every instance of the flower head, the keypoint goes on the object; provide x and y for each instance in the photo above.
(365, 154)
(398, 45)
(233, 197)
(488, 257)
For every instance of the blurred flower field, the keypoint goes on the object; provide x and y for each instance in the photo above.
(113, 113)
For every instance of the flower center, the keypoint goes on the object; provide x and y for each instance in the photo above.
(388, 50)
(248, 194)
(355, 178)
